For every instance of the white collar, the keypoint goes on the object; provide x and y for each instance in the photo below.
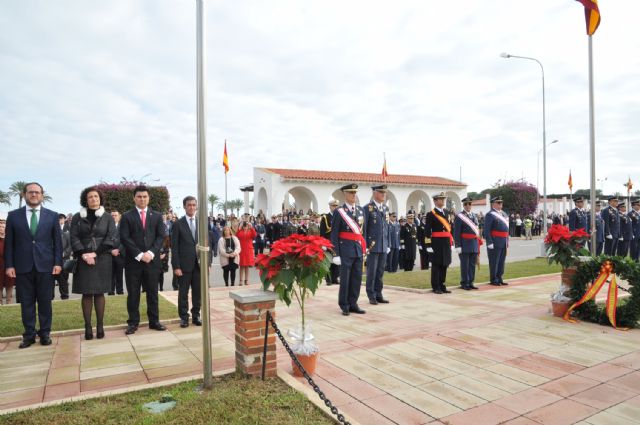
(99, 212)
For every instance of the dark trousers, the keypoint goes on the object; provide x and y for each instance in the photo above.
(438, 276)
(635, 249)
(117, 269)
(497, 257)
(375, 269)
(228, 271)
(424, 259)
(610, 246)
(142, 276)
(467, 268)
(350, 282)
(35, 287)
(623, 248)
(63, 284)
(186, 281)
(392, 260)
(334, 273)
(599, 247)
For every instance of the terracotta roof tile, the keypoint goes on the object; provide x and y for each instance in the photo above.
(348, 176)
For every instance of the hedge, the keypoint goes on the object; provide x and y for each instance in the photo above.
(120, 197)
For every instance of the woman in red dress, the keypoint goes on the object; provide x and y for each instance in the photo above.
(246, 234)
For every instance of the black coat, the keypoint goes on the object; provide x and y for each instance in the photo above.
(137, 240)
(183, 247)
(441, 245)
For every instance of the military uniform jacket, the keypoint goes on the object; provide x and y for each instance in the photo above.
(441, 246)
(408, 236)
(599, 227)
(325, 225)
(469, 246)
(626, 227)
(376, 228)
(346, 247)
(493, 223)
(394, 235)
(635, 223)
(577, 219)
(611, 221)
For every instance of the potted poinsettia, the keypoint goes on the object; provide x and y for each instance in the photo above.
(566, 248)
(295, 266)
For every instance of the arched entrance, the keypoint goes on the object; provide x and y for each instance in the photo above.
(453, 201)
(392, 202)
(300, 198)
(261, 201)
(419, 200)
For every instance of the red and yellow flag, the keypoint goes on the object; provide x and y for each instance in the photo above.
(570, 182)
(384, 168)
(225, 159)
(629, 185)
(591, 15)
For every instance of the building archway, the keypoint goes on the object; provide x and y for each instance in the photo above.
(453, 201)
(262, 201)
(303, 199)
(419, 200)
(392, 202)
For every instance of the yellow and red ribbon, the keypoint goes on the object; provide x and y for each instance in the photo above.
(606, 270)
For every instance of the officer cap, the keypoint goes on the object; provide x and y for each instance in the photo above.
(622, 205)
(578, 199)
(351, 187)
(496, 199)
(410, 215)
(598, 203)
(333, 203)
(379, 188)
(440, 195)
(636, 202)
(393, 214)
(403, 219)
(467, 200)
(612, 198)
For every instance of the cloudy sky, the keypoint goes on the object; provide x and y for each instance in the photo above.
(99, 90)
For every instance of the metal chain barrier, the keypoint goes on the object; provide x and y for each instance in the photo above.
(327, 402)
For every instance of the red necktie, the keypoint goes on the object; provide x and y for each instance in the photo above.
(143, 217)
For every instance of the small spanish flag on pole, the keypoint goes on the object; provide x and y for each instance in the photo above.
(225, 158)
(591, 15)
(384, 167)
(570, 182)
(629, 185)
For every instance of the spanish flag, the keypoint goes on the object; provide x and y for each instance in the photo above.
(570, 182)
(384, 168)
(225, 159)
(629, 185)
(591, 15)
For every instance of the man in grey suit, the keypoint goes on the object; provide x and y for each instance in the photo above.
(32, 255)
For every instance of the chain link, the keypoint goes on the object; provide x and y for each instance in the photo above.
(623, 288)
(310, 380)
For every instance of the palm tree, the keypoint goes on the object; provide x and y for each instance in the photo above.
(224, 206)
(237, 204)
(5, 198)
(213, 200)
(17, 189)
(46, 198)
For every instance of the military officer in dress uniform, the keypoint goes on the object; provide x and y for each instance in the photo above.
(376, 235)
(325, 232)
(634, 214)
(349, 246)
(408, 238)
(626, 231)
(599, 229)
(577, 216)
(611, 220)
(496, 235)
(394, 244)
(422, 244)
(438, 237)
(466, 235)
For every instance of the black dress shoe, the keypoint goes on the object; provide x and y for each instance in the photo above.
(100, 332)
(158, 327)
(27, 342)
(494, 284)
(436, 291)
(345, 312)
(446, 291)
(503, 283)
(196, 321)
(111, 293)
(88, 333)
(373, 302)
(131, 330)
(382, 300)
(357, 310)
(473, 287)
(465, 287)
(183, 324)
(45, 340)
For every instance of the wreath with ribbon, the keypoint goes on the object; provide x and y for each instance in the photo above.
(594, 275)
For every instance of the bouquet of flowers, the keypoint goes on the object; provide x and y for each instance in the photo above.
(564, 246)
(295, 266)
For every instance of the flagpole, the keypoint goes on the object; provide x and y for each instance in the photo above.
(203, 225)
(225, 196)
(592, 151)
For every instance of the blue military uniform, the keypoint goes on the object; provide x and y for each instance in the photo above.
(347, 245)
(394, 244)
(635, 224)
(599, 230)
(376, 235)
(466, 236)
(611, 221)
(626, 231)
(496, 235)
(577, 217)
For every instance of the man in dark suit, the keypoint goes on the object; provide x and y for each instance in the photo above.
(438, 237)
(117, 259)
(63, 278)
(376, 235)
(611, 221)
(142, 232)
(578, 216)
(186, 262)
(32, 255)
(325, 232)
(626, 231)
(466, 235)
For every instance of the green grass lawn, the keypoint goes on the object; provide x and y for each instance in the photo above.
(67, 314)
(421, 279)
(233, 400)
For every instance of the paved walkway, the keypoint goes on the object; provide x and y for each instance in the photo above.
(483, 357)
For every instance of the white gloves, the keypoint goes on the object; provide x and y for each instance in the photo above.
(430, 250)
(490, 246)
(388, 250)
(609, 237)
(621, 239)
(336, 261)
(401, 246)
(420, 247)
(459, 250)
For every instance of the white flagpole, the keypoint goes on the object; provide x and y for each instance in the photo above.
(592, 151)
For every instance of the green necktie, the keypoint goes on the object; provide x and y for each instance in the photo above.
(34, 222)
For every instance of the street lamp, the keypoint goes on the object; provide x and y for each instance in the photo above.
(538, 164)
(601, 181)
(544, 140)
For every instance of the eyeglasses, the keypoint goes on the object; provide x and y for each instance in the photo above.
(33, 192)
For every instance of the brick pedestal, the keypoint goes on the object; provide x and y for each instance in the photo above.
(250, 316)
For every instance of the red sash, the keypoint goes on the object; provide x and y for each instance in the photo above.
(498, 234)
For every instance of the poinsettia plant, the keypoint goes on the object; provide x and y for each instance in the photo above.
(564, 246)
(295, 266)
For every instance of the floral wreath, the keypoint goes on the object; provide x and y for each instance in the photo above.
(590, 277)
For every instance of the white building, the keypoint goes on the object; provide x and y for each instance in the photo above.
(276, 189)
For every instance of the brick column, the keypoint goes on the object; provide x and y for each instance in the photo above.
(250, 316)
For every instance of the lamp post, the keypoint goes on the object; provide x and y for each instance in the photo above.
(538, 164)
(544, 146)
(601, 181)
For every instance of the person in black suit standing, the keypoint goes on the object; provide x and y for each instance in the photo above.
(439, 242)
(186, 262)
(117, 260)
(63, 278)
(33, 254)
(142, 232)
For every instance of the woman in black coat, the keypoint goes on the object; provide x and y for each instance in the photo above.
(93, 238)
